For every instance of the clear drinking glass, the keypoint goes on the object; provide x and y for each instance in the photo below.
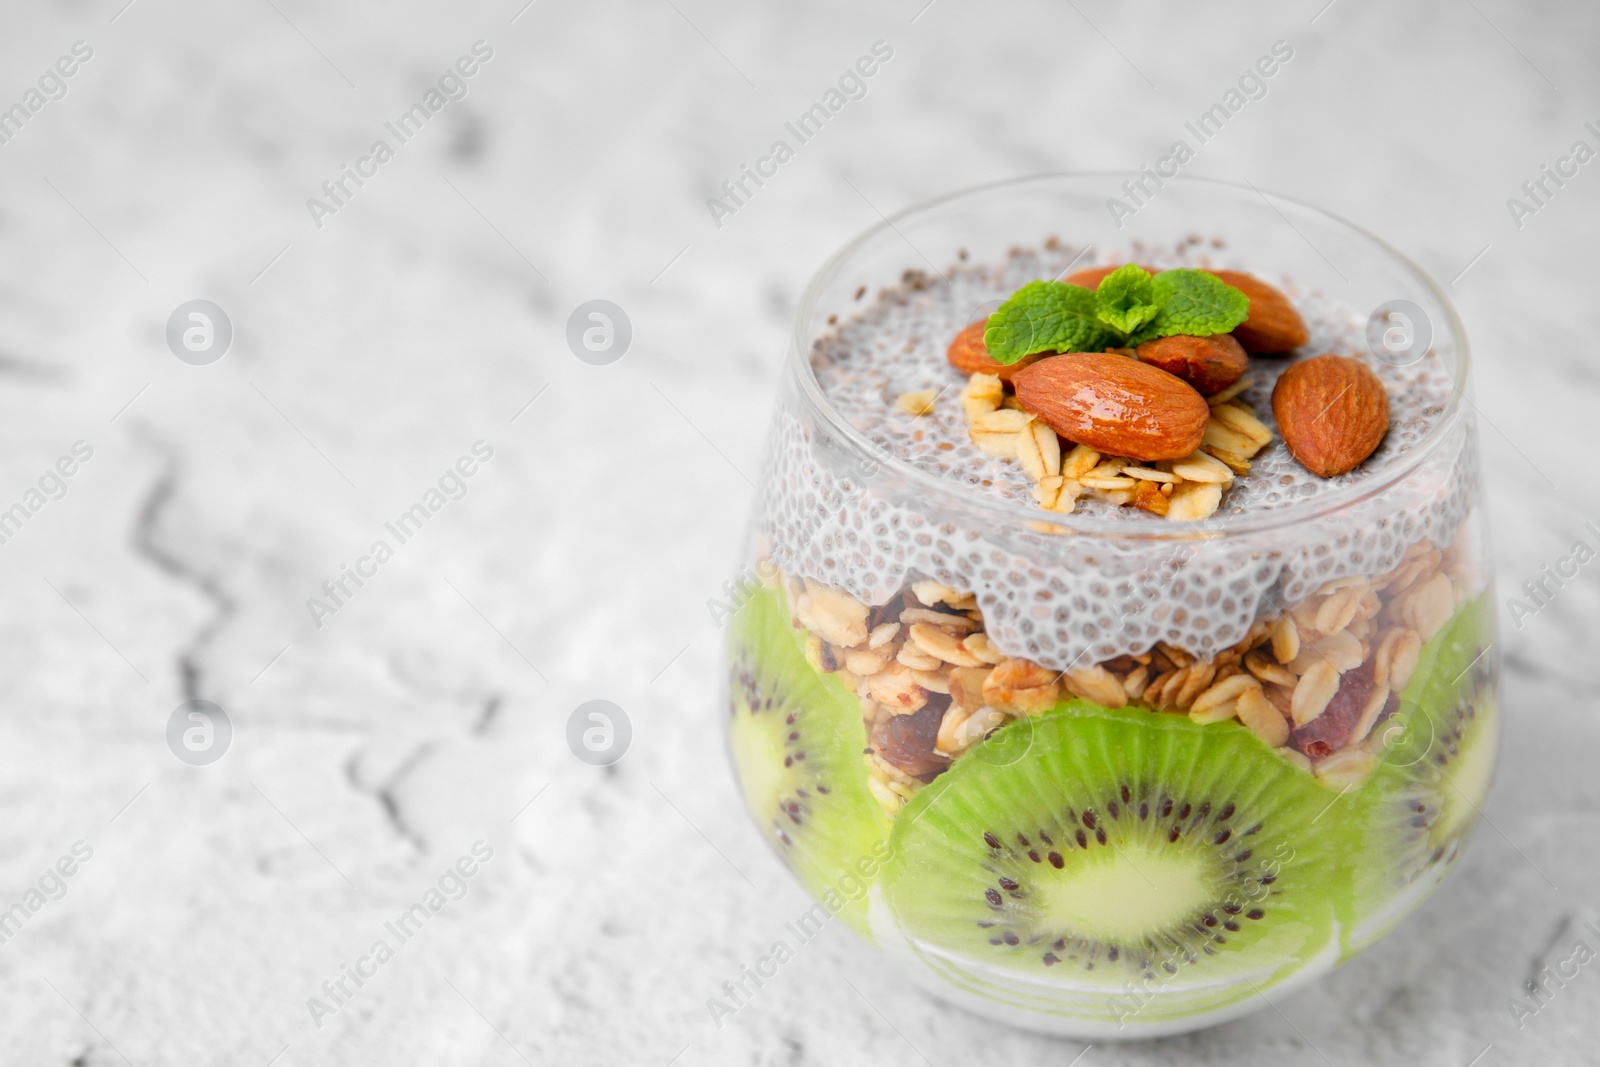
(1075, 837)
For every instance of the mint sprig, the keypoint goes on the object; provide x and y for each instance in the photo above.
(1192, 302)
(1126, 299)
(1131, 306)
(1045, 316)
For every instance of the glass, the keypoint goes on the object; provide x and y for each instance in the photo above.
(1069, 769)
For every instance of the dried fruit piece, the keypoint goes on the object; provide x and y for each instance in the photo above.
(1332, 412)
(1273, 327)
(1210, 364)
(909, 742)
(1327, 732)
(1118, 406)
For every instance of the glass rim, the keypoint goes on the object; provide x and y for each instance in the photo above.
(961, 497)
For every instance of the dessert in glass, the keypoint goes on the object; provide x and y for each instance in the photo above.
(1114, 645)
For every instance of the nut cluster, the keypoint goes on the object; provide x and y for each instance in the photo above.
(1312, 682)
(1183, 489)
(1142, 426)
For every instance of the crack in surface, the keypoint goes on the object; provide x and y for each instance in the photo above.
(148, 543)
(385, 793)
(491, 712)
(1538, 964)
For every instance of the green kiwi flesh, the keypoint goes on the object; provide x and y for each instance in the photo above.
(797, 738)
(1107, 846)
(1436, 759)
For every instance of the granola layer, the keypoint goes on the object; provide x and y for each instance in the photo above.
(1311, 681)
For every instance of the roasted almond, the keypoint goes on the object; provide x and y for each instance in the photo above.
(1091, 277)
(1273, 327)
(969, 355)
(1332, 411)
(1115, 405)
(1210, 364)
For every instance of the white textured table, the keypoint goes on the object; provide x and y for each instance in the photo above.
(429, 710)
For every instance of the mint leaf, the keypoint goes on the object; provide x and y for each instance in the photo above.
(1045, 316)
(1195, 303)
(1126, 298)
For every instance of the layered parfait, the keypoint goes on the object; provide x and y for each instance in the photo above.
(1115, 645)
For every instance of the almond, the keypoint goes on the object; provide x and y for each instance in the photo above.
(1332, 411)
(1091, 277)
(969, 355)
(1210, 364)
(1115, 405)
(1273, 327)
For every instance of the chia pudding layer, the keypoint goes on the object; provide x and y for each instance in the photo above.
(1046, 591)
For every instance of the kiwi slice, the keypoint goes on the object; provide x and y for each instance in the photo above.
(1436, 763)
(797, 738)
(1107, 846)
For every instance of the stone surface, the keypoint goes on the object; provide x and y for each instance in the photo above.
(430, 711)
